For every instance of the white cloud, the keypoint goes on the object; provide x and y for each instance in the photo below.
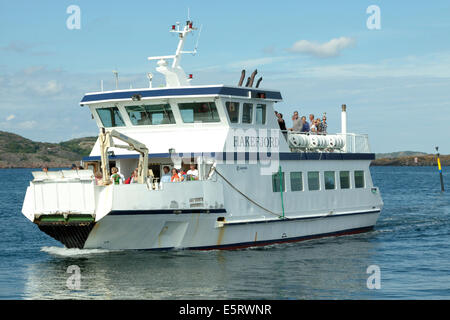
(48, 88)
(251, 63)
(27, 124)
(328, 49)
(10, 117)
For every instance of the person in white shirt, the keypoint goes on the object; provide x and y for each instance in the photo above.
(192, 173)
(166, 176)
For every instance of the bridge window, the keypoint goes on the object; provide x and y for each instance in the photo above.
(199, 112)
(313, 180)
(345, 179)
(276, 182)
(260, 114)
(359, 179)
(150, 114)
(296, 181)
(247, 113)
(233, 111)
(110, 117)
(330, 180)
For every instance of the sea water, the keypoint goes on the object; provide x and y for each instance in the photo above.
(410, 247)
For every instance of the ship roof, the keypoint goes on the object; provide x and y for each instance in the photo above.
(178, 92)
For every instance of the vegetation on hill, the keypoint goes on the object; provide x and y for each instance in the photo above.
(19, 152)
(399, 154)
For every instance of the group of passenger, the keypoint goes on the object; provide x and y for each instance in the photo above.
(314, 125)
(73, 167)
(169, 175)
(178, 175)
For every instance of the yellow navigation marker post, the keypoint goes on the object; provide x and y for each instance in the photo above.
(440, 169)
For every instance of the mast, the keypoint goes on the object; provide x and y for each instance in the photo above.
(175, 76)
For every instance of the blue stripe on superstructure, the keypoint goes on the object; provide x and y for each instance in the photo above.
(251, 155)
(163, 92)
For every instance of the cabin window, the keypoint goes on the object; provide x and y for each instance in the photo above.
(330, 180)
(247, 113)
(150, 114)
(276, 182)
(199, 112)
(313, 180)
(359, 179)
(233, 111)
(260, 114)
(296, 181)
(345, 179)
(110, 117)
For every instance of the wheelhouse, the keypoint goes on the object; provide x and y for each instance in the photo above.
(193, 122)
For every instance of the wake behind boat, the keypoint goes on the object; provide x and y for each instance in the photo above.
(239, 180)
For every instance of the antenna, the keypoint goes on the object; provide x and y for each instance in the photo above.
(150, 78)
(198, 38)
(116, 73)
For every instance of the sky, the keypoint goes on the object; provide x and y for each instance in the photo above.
(392, 73)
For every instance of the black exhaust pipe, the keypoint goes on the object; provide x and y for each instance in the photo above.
(242, 78)
(259, 81)
(252, 78)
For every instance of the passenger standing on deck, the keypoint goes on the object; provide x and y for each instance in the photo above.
(281, 122)
(192, 173)
(296, 122)
(324, 124)
(166, 176)
(175, 177)
(305, 125)
(115, 177)
(133, 178)
(319, 127)
(311, 120)
(312, 126)
(99, 179)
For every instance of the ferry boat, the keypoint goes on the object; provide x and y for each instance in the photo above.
(251, 184)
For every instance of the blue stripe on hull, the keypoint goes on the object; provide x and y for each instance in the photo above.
(166, 211)
(285, 240)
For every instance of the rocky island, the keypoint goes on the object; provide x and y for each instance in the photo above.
(19, 152)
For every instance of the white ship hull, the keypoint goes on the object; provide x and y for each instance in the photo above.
(200, 231)
(210, 214)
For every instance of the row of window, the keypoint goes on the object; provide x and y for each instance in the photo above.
(313, 180)
(247, 112)
(157, 114)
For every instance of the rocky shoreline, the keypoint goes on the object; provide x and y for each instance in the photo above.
(417, 161)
